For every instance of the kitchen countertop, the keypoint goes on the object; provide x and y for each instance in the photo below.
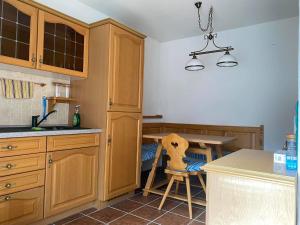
(253, 164)
(48, 133)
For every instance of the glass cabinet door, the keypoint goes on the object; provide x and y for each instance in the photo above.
(18, 30)
(62, 46)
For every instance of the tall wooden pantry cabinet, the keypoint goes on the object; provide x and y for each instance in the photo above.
(111, 98)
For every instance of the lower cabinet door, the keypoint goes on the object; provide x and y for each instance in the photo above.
(22, 208)
(123, 153)
(71, 179)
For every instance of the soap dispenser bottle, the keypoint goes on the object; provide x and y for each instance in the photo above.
(76, 117)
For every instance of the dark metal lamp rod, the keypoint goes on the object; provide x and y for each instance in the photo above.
(213, 51)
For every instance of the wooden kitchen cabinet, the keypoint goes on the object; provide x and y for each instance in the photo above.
(21, 182)
(111, 98)
(123, 152)
(62, 45)
(22, 146)
(44, 40)
(71, 179)
(18, 33)
(20, 164)
(64, 142)
(23, 207)
(125, 80)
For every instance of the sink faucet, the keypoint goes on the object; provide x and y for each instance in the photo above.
(34, 119)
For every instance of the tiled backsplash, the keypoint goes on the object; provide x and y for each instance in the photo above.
(19, 111)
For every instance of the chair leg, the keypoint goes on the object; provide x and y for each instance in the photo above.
(166, 193)
(202, 182)
(189, 196)
(177, 187)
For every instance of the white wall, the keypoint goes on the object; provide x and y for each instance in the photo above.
(152, 78)
(75, 9)
(261, 90)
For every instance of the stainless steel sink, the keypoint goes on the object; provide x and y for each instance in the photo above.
(29, 129)
(61, 128)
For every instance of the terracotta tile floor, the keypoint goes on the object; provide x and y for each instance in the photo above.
(140, 210)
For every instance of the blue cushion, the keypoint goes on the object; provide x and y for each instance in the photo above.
(194, 165)
(148, 151)
(195, 156)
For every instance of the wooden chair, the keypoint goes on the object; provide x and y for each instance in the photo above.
(180, 168)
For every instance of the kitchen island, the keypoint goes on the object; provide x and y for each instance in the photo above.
(244, 188)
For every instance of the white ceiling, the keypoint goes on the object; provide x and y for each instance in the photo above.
(167, 20)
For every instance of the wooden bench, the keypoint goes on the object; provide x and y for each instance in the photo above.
(247, 137)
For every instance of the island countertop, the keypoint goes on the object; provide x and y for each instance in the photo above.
(253, 164)
(244, 188)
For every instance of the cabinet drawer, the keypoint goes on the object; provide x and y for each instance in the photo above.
(22, 208)
(56, 143)
(21, 164)
(21, 182)
(22, 146)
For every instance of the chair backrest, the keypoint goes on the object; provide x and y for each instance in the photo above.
(176, 147)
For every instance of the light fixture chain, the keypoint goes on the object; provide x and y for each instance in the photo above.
(209, 25)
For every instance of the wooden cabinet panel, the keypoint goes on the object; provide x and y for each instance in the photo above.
(126, 71)
(123, 150)
(20, 182)
(71, 179)
(21, 146)
(18, 33)
(62, 142)
(22, 208)
(62, 46)
(21, 164)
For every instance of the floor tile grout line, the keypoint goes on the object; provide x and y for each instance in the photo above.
(93, 211)
(130, 213)
(199, 216)
(148, 205)
(170, 211)
(142, 205)
(96, 219)
(139, 217)
(182, 203)
(109, 206)
(81, 215)
(164, 211)
(117, 218)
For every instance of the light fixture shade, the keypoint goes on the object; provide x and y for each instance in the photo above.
(194, 64)
(227, 60)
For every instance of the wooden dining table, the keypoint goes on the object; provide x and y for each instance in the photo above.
(203, 145)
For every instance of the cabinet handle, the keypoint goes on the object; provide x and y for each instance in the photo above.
(6, 198)
(41, 61)
(109, 140)
(110, 102)
(9, 147)
(8, 185)
(33, 59)
(50, 161)
(8, 166)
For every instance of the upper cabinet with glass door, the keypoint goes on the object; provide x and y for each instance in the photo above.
(18, 30)
(62, 46)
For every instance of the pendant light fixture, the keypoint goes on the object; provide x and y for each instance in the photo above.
(227, 60)
(194, 64)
